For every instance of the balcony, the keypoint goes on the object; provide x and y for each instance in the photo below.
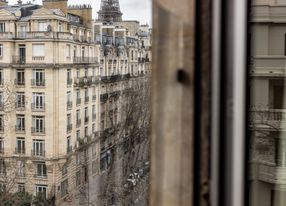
(78, 123)
(38, 83)
(38, 58)
(20, 151)
(38, 153)
(19, 129)
(6, 35)
(64, 35)
(84, 60)
(22, 35)
(38, 107)
(38, 130)
(268, 115)
(20, 82)
(268, 172)
(86, 100)
(40, 35)
(19, 59)
(69, 105)
(42, 176)
(86, 120)
(69, 127)
(78, 101)
(83, 81)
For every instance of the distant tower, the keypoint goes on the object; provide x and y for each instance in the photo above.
(109, 11)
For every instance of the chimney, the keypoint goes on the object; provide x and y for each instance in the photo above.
(84, 11)
(3, 3)
(56, 4)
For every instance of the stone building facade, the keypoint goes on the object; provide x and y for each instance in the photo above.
(63, 80)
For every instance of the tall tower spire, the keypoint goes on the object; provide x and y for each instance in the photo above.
(109, 11)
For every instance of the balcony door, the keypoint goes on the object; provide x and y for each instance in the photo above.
(22, 53)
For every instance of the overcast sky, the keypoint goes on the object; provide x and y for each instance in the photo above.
(131, 9)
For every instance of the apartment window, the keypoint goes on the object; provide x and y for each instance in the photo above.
(86, 131)
(2, 27)
(74, 51)
(78, 178)
(68, 51)
(94, 149)
(69, 77)
(20, 168)
(41, 190)
(65, 170)
(93, 128)
(21, 187)
(78, 135)
(38, 148)
(20, 123)
(43, 26)
(64, 188)
(93, 93)
(2, 167)
(77, 73)
(1, 50)
(1, 70)
(38, 123)
(38, 101)
(83, 52)
(1, 123)
(69, 100)
(93, 71)
(94, 168)
(86, 97)
(1, 101)
(38, 50)
(20, 100)
(78, 120)
(1, 145)
(20, 145)
(20, 77)
(69, 124)
(69, 147)
(77, 160)
(86, 118)
(86, 72)
(38, 77)
(41, 169)
(93, 113)
(78, 100)
(60, 27)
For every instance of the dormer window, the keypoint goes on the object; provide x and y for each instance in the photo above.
(2, 27)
